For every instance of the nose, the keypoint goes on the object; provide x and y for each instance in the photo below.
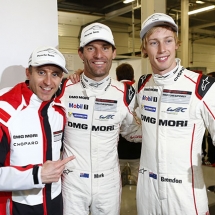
(47, 79)
(98, 53)
(161, 47)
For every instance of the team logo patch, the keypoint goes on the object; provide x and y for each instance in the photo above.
(205, 82)
(149, 108)
(176, 96)
(67, 171)
(149, 98)
(78, 106)
(152, 175)
(77, 115)
(84, 175)
(175, 111)
(105, 105)
(142, 171)
(150, 89)
(106, 117)
(58, 135)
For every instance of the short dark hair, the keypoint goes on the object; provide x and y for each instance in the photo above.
(212, 74)
(125, 72)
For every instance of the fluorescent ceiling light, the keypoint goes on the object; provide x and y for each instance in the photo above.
(201, 9)
(127, 1)
(200, 2)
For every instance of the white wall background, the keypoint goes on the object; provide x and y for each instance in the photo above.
(24, 26)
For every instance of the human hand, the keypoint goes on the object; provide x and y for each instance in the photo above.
(52, 170)
(75, 77)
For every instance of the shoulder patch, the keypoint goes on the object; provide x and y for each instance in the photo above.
(128, 94)
(142, 81)
(204, 83)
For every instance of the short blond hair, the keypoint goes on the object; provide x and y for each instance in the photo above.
(151, 31)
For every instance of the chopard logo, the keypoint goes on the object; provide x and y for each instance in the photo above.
(26, 143)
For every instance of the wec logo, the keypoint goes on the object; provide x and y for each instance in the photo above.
(101, 117)
(178, 109)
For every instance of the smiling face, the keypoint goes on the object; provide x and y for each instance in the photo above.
(161, 48)
(97, 57)
(44, 80)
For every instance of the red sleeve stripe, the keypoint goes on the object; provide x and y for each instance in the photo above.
(4, 115)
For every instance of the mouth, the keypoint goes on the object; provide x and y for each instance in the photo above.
(46, 89)
(162, 59)
(99, 63)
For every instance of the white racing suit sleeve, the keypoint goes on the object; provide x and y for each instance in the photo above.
(208, 107)
(14, 178)
(131, 128)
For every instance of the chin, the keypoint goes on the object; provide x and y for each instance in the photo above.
(45, 99)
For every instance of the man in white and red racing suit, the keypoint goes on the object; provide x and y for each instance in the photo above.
(175, 110)
(98, 108)
(32, 120)
(176, 106)
(95, 116)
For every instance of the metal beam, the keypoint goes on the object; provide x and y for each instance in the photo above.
(203, 26)
(118, 12)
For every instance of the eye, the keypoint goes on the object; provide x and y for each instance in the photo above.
(90, 48)
(106, 48)
(153, 43)
(169, 40)
(57, 74)
(41, 72)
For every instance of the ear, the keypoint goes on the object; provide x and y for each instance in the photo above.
(176, 46)
(27, 72)
(144, 51)
(80, 54)
(114, 54)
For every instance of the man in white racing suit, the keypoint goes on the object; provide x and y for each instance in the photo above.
(32, 120)
(97, 108)
(176, 106)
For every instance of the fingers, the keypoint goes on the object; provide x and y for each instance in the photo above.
(75, 77)
(79, 71)
(66, 160)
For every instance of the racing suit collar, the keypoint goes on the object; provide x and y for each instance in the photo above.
(170, 77)
(94, 88)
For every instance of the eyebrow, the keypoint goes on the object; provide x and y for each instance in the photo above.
(162, 38)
